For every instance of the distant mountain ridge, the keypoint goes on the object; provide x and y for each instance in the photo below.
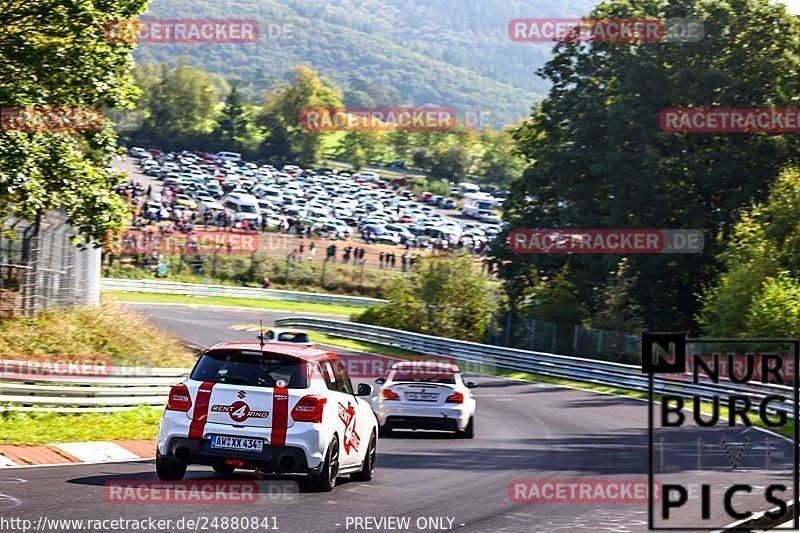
(448, 53)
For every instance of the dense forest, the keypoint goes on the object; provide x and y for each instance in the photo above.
(448, 52)
(601, 160)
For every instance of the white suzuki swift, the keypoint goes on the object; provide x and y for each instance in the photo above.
(272, 408)
(425, 395)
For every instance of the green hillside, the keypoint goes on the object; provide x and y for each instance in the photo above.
(442, 52)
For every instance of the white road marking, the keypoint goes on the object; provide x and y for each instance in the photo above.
(6, 498)
(96, 451)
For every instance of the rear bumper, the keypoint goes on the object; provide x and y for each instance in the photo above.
(275, 459)
(420, 422)
(449, 417)
(308, 440)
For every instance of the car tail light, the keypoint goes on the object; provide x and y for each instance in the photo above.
(179, 399)
(455, 398)
(309, 409)
(389, 394)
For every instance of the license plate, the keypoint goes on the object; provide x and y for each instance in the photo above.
(422, 397)
(237, 443)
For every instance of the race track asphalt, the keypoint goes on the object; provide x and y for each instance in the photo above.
(524, 431)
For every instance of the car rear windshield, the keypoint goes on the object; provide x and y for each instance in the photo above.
(424, 375)
(254, 369)
(293, 336)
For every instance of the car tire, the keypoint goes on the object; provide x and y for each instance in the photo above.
(169, 469)
(223, 469)
(326, 479)
(469, 431)
(368, 468)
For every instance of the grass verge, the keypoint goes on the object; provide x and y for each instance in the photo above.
(274, 305)
(108, 333)
(23, 428)
(123, 336)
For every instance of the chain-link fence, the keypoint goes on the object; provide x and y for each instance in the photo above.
(564, 339)
(41, 268)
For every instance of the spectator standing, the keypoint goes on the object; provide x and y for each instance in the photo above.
(381, 257)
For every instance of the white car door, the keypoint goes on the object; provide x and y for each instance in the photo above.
(355, 416)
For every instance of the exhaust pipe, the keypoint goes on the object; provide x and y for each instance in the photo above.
(287, 462)
(183, 454)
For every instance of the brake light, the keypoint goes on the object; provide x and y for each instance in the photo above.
(389, 394)
(309, 409)
(455, 398)
(179, 399)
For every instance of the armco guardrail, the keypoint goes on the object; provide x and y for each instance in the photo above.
(122, 388)
(485, 357)
(196, 289)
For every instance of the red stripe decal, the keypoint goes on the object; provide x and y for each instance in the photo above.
(200, 413)
(280, 416)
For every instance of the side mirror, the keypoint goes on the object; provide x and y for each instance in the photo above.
(364, 389)
(471, 384)
(380, 381)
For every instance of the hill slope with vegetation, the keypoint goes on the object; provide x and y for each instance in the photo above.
(445, 53)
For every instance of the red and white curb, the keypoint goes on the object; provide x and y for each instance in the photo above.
(76, 452)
